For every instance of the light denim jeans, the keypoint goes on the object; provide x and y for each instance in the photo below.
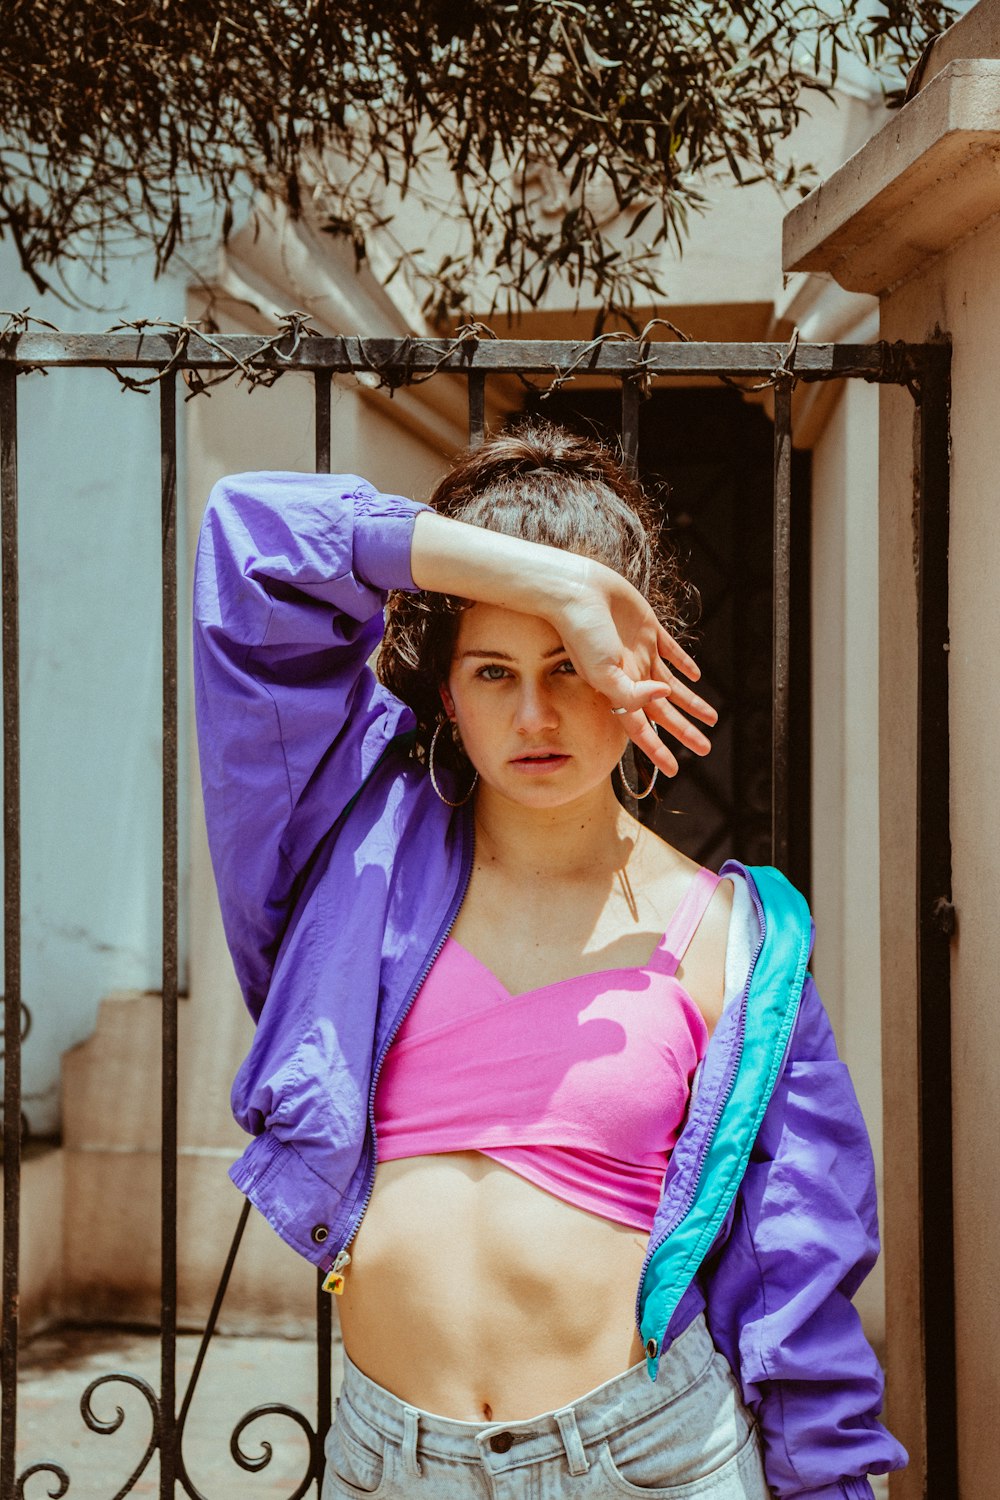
(686, 1437)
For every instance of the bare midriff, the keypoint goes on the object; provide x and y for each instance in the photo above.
(476, 1295)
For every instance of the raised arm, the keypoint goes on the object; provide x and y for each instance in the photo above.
(290, 580)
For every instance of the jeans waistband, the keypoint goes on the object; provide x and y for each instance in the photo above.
(591, 1418)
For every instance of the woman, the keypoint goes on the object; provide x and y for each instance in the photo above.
(622, 1192)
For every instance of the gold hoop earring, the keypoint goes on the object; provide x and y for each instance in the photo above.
(631, 790)
(434, 782)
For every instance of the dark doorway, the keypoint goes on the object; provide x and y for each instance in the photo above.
(707, 455)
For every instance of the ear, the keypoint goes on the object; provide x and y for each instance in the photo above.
(447, 700)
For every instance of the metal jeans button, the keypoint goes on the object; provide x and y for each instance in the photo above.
(502, 1442)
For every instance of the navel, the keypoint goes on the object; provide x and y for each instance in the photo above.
(487, 1411)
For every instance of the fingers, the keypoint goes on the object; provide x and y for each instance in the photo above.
(660, 700)
(670, 651)
(662, 711)
(652, 703)
(684, 698)
(681, 694)
(645, 738)
(640, 726)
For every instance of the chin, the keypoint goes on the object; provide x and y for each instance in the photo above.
(549, 791)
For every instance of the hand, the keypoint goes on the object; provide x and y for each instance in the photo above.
(619, 647)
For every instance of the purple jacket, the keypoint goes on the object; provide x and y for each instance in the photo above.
(340, 873)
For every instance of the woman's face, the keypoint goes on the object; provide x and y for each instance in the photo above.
(534, 731)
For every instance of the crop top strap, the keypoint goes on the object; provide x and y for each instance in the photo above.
(684, 923)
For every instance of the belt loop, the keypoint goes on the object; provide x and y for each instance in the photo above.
(572, 1442)
(411, 1426)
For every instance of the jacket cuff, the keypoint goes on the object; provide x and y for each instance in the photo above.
(842, 1489)
(382, 544)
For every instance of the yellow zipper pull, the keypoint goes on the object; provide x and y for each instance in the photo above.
(334, 1279)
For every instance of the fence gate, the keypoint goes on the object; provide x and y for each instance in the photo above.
(635, 364)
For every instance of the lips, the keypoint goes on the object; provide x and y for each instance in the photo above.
(541, 758)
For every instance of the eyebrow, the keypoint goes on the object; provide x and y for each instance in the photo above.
(559, 650)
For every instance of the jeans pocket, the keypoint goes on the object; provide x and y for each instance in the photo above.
(740, 1477)
(355, 1457)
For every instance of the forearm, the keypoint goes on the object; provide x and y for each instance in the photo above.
(450, 557)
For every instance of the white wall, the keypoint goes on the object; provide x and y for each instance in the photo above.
(90, 676)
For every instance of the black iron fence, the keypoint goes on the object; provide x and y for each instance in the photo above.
(142, 358)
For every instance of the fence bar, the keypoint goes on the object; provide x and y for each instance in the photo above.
(168, 1159)
(206, 1338)
(935, 924)
(426, 356)
(780, 722)
(322, 389)
(630, 426)
(477, 408)
(11, 927)
(324, 1302)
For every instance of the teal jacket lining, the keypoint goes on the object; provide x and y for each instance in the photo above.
(775, 987)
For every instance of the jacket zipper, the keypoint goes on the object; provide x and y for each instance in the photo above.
(468, 853)
(692, 1193)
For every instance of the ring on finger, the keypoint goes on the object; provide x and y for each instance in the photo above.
(619, 710)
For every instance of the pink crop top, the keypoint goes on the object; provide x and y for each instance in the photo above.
(581, 1086)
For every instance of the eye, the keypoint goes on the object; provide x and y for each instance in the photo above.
(567, 667)
(492, 672)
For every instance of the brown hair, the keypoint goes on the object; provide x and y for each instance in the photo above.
(548, 485)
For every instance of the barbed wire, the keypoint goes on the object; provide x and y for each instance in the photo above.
(293, 326)
(397, 369)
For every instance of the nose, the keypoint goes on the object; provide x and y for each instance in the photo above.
(535, 710)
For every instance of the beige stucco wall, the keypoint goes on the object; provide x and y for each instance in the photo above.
(41, 1231)
(845, 772)
(896, 651)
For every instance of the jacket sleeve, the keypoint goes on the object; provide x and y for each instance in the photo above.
(802, 1238)
(290, 580)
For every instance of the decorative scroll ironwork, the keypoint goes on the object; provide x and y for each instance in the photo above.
(251, 1464)
(25, 1030)
(106, 1426)
(203, 358)
(254, 1465)
(54, 1470)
